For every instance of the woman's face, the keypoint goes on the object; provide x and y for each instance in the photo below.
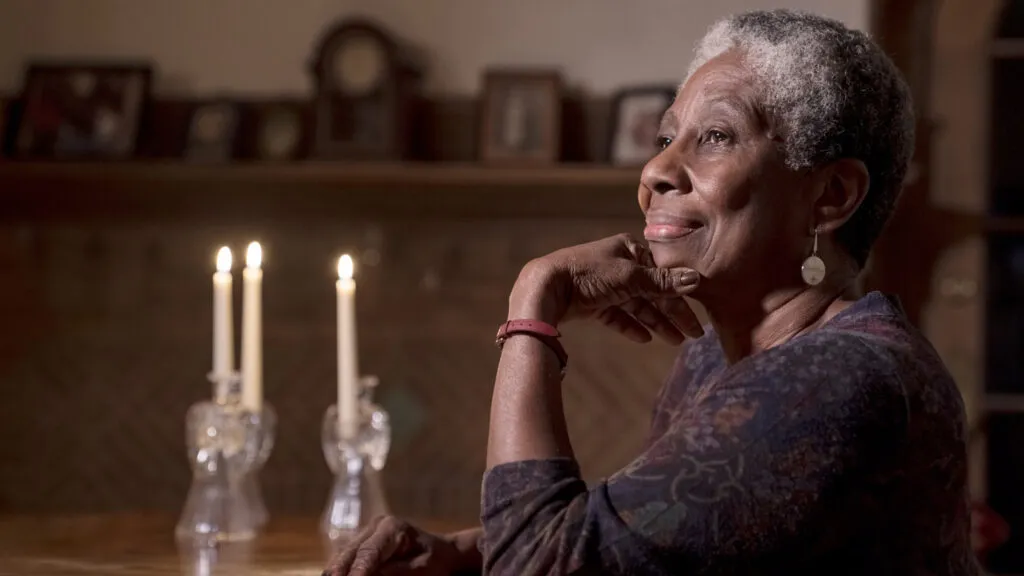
(718, 198)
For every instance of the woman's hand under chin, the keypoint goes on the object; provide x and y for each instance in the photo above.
(613, 280)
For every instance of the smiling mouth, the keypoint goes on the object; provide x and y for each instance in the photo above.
(663, 227)
(664, 232)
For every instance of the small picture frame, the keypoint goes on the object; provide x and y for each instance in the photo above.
(212, 131)
(280, 130)
(82, 111)
(636, 117)
(521, 117)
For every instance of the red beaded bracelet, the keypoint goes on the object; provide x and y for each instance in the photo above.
(542, 331)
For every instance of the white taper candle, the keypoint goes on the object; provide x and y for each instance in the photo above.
(252, 329)
(223, 352)
(348, 362)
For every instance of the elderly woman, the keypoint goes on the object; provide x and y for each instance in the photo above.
(806, 430)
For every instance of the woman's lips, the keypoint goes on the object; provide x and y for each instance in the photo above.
(668, 227)
(655, 232)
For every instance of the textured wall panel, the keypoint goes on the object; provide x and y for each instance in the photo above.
(105, 342)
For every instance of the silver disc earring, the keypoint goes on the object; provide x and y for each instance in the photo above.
(813, 268)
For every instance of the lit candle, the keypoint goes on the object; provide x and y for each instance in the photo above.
(222, 338)
(348, 364)
(252, 329)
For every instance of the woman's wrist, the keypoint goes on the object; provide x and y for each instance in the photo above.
(536, 295)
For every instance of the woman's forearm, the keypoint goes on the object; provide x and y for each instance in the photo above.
(527, 419)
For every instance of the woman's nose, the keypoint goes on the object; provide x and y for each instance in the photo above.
(661, 175)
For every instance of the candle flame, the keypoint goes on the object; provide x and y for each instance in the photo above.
(345, 267)
(224, 259)
(254, 255)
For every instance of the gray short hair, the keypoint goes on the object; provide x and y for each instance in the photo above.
(831, 93)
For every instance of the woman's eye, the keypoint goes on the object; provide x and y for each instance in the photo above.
(715, 137)
(663, 142)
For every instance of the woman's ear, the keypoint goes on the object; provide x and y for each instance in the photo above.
(846, 184)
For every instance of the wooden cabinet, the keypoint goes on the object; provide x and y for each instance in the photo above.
(1004, 298)
(955, 250)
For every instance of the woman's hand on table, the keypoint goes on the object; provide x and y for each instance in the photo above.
(614, 280)
(393, 547)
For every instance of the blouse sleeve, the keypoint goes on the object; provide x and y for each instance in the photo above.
(745, 471)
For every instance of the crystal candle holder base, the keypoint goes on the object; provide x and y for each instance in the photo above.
(265, 423)
(357, 494)
(253, 494)
(226, 446)
(223, 558)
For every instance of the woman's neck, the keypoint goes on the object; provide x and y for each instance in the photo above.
(755, 324)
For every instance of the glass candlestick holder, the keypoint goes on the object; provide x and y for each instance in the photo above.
(223, 445)
(357, 494)
(264, 423)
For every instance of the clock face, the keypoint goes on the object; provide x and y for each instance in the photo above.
(360, 64)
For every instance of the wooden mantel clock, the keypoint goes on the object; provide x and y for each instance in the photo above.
(367, 87)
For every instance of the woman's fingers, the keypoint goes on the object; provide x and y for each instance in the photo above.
(671, 319)
(619, 320)
(650, 282)
(418, 566)
(368, 550)
(392, 535)
(682, 316)
(638, 251)
(342, 561)
(654, 320)
(647, 280)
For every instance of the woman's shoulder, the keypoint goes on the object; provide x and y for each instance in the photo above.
(853, 364)
(869, 340)
(868, 349)
(875, 336)
(872, 335)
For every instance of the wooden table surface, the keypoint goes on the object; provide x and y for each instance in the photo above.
(144, 545)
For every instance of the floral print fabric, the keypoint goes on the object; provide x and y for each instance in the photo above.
(839, 452)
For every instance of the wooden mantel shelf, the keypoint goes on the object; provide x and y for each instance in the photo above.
(383, 174)
(34, 190)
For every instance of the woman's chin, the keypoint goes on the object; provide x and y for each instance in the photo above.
(672, 256)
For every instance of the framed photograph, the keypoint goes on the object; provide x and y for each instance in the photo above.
(212, 132)
(636, 116)
(521, 117)
(82, 111)
(280, 131)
